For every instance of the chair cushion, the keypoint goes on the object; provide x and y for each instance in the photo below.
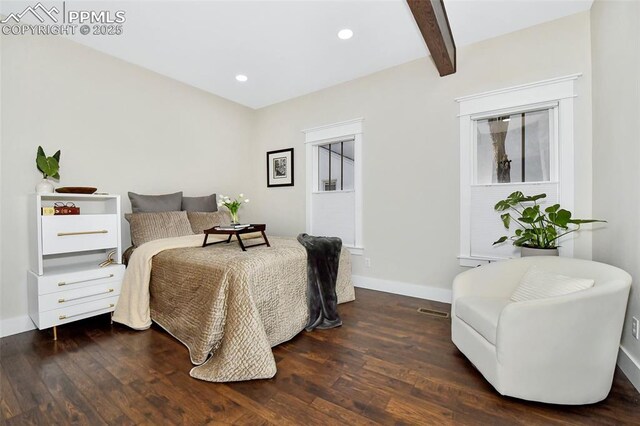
(481, 314)
(539, 284)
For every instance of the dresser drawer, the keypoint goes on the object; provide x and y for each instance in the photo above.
(73, 280)
(64, 234)
(77, 312)
(63, 299)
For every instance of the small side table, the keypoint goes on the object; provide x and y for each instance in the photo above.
(237, 232)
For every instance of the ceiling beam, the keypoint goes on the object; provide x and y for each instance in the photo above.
(431, 17)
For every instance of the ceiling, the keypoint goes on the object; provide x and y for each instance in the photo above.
(290, 48)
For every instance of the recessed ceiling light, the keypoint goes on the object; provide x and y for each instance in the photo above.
(345, 34)
(241, 78)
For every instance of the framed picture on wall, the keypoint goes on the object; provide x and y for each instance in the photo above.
(280, 167)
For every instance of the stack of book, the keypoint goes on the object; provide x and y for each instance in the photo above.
(236, 227)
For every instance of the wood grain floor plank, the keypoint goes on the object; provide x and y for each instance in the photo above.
(134, 406)
(28, 389)
(70, 400)
(362, 399)
(89, 389)
(294, 410)
(45, 414)
(9, 406)
(250, 419)
(261, 409)
(412, 412)
(340, 414)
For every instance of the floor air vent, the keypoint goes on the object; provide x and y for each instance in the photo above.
(433, 313)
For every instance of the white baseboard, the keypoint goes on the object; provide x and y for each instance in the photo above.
(15, 325)
(405, 289)
(630, 367)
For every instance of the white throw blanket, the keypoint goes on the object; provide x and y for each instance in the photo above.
(133, 305)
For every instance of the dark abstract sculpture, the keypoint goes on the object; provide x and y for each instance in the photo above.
(323, 258)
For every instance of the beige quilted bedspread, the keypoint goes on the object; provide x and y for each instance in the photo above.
(230, 307)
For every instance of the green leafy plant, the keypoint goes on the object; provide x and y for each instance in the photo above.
(48, 166)
(537, 228)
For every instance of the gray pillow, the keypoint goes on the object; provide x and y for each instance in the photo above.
(147, 227)
(200, 204)
(155, 203)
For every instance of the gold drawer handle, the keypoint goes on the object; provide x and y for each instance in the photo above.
(61, 283)
(66, 234)
(62, 317)
(84, 297)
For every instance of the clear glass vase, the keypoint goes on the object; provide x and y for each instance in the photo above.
(234, 217)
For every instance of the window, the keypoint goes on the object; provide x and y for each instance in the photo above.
(514, 147)
(513, 139)
(335, 166)
(334, 182)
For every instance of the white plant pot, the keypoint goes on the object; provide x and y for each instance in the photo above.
(530, 251)
(44, 187)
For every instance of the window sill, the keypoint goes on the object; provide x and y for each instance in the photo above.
(473, 261)
(513, 183)
(333, 192)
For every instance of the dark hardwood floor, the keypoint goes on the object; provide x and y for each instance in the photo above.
(387, 364)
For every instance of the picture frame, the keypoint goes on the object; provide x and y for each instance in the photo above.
(280, 168)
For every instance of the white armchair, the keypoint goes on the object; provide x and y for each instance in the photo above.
(560, 350)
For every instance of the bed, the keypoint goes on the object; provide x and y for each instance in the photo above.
(228, 307)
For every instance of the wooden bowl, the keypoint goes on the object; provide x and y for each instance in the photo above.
(76, 190)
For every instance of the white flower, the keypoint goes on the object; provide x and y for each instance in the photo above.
(246, 201)
(221, 196)
(241, 195)
(220, 204)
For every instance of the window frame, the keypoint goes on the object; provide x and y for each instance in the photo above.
(323, 135)
(560, 91)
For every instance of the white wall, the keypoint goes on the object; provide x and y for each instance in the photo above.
(412, 109)
(120, 128)
(2, 260)
(616, 150)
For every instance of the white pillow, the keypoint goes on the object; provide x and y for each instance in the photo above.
(538, 284)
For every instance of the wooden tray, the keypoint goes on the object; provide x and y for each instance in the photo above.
(76, 190)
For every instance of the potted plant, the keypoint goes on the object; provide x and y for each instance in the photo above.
(49, 167)
(539, 230)
(233, 206)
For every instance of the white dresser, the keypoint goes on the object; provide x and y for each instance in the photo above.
(65, 281)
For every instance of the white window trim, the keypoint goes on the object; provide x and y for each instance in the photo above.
(559, 90)
(325, 134)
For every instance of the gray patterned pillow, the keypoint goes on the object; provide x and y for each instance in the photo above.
(147, 227)
(205, 220)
